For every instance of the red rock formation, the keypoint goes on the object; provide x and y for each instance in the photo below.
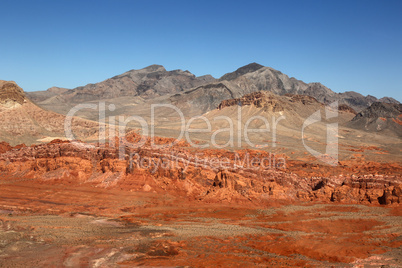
(346, 108)
(189, 173)
(259, 99)
(4, 147)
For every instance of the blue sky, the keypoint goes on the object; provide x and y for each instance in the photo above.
(346, 45)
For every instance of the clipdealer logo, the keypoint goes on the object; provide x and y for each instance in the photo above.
(330, 156)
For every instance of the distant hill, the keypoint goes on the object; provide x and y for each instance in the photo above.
(22, 121)
(380, 117)
(38, 96)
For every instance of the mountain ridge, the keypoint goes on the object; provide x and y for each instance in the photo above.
(148, 82)
(155, 81)
(379, 117)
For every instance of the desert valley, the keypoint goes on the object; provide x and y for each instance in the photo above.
(164, 168)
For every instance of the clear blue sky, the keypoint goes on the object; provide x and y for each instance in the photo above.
(346, 45)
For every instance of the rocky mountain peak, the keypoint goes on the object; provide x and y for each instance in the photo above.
(206, 78)
(249, 68)
(388, 100)
(155, 68)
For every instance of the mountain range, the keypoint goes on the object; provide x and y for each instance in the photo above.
(31, 117)
(203, 93)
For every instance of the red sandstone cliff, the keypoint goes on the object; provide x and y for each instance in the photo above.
(189, 173)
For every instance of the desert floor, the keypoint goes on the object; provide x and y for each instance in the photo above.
(100, 227)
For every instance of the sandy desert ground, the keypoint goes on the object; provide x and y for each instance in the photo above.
(78, 225)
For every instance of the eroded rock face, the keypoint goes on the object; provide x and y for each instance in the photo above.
(177, 170)
(391, 195)
(11, 94)
(293, 105)
(4, 147)
(344, 107)
(373, 189)
(269, 101)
